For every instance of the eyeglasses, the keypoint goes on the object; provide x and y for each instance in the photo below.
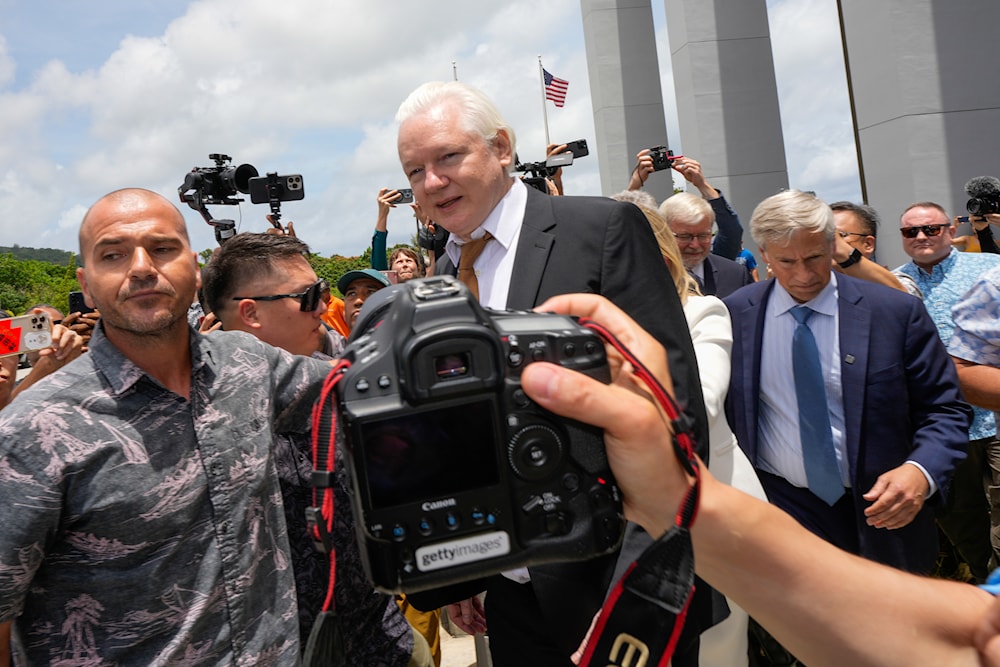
(308, 300)
(844, 235)
(929, 231)
(687, 238)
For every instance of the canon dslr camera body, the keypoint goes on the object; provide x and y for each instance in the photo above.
(457, 473)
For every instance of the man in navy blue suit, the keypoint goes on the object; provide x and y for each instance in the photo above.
(895, 423)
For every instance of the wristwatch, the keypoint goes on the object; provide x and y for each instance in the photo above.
(851, 260)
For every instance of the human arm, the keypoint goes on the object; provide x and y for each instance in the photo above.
(386, 197)
(864, 268)
(981, 225)
(980, 383)
(975, 343)
(643, 168)
(824, 605)
(897, 497)
(712, 336)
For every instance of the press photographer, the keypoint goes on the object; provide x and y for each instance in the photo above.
(984, 210)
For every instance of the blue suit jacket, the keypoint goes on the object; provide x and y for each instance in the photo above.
(901, 401)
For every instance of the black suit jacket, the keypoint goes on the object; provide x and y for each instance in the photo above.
(724, 276)
(600, 246)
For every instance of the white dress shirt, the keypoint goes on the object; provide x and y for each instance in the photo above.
(495, 266)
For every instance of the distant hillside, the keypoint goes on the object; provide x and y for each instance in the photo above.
(50, 255)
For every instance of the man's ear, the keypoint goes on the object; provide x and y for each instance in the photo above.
(502, 147)
(81, 277)
(869, 245)
(248, 314)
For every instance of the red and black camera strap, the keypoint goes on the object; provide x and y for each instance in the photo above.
(642, 618)
(325, 644)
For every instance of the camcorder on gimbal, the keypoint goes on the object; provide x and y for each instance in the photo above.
(219, 185)
(537, 172)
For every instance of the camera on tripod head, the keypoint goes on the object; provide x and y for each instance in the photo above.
(219, 185)
(457, 474)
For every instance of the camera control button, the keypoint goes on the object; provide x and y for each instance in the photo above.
(399, 532)
(538, 354)
(515, 358)
(452, 521)
(557, 523)
(590, 347)
(535, 453)
(521, 399)
(478, 516)
(569, 349)
(362, 385)
(384, 381)
(571, 482)
(533, 503)
(426, 526)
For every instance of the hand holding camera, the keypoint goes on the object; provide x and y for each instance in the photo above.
(457, 473)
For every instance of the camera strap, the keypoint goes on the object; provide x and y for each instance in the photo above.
(642, 618)
(324, 440)
(325, 645)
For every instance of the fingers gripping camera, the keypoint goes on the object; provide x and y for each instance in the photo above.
(457, 473)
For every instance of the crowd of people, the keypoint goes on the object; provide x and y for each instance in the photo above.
(156, 461)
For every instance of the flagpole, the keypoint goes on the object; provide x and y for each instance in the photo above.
(454, 70)
(545, 113)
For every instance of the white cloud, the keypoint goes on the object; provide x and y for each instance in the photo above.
(312, 88)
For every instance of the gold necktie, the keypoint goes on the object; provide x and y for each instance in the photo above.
(466, 261)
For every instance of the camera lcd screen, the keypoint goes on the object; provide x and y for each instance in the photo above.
(515, 325)
(430, 454)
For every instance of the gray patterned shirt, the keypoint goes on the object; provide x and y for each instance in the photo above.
(143, 528)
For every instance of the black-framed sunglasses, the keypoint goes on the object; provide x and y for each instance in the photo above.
(308, 300)
(844, 235)
(929, 231)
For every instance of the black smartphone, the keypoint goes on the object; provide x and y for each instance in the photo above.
(289, 188)
(77, 304)
(407, 196)
(578, 148)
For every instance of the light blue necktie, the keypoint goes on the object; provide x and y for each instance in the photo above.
(814, 416)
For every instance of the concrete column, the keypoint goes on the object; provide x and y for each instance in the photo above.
(924, 77)
(727, 100)
(624, 88)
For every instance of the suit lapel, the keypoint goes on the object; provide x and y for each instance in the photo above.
(751, 339)
(855, 331)
(533, 249)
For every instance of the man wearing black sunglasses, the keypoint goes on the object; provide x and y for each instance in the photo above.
(943, 274)
(263, 284)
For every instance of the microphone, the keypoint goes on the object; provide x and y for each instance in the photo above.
(987, 187)
(984, 193)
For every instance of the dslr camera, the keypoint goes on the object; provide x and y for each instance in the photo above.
(457, 474)
(663, 157)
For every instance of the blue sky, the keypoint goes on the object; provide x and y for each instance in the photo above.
(97, 96)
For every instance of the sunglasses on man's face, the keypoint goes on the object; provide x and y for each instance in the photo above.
(308, 300)
(928, 230)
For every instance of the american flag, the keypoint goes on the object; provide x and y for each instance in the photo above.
(555, 88)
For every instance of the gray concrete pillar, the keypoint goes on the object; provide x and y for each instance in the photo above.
(927, 100)
(624, 88)
(727, 99)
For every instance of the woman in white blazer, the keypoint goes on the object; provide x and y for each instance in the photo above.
(724, 645)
